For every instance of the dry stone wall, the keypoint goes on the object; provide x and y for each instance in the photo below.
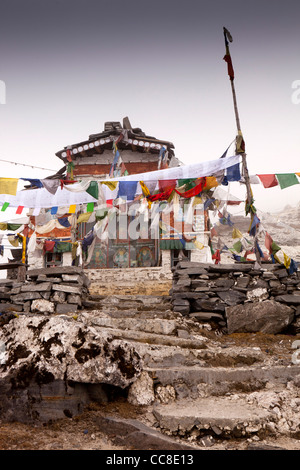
(237, 297)
(51, 290)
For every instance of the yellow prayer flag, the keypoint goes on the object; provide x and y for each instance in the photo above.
(145, 190)
(72, 209)
(211, 182)
(198, 244)
(9, 186)
(84, 217)
(14, 241)
(3, 226)
(197, 200)
(287, 260)
(236, 233)
(111, 184)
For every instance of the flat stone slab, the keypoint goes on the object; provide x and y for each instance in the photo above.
(54, 271)
(206, 413)
(136, 435)
(68, 289)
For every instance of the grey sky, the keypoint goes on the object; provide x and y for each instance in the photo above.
(71, 65)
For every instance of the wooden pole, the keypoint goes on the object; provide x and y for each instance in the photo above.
(228, 38)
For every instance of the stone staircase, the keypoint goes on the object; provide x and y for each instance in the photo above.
(198, 384)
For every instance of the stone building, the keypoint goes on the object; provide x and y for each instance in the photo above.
(93, 159)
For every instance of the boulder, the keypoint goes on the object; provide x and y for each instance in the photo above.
(267, 316)
(50, 360)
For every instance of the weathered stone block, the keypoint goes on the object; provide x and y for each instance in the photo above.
(74, 299)
(43, 306)
(232, 297)
(41, 287)
(66, 308)
(72, 278)
(59, 297)
(288, 299)
(268, 317)
(67, 289)
(25, 296)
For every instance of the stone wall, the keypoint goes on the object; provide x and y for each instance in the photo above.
(133, 281)
(237, 297)
(49, 290)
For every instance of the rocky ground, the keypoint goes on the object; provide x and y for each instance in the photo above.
(120, 423)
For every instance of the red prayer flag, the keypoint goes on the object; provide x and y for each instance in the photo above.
(268, 242)
(230, 70)
(19, 210)
(165, 185)
(268, 180)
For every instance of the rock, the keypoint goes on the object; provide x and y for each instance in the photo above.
(43, 306)
(59, 297)
(141, 391)
(207, 316)
(165, 394)
(74, 299)
(232, 297)
(41, 287)
(267, 316)
(7, 307)
(52, 359)
(62, 309)
(67, 289)
(72, 278)
(257, 294)
(288, 299)
(25, 296)
(210, 305)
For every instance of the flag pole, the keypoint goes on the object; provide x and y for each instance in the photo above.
(240, 144)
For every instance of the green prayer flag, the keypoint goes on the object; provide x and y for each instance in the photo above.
(5, 206)
(238, 246)
(90, 207)
(287, 179)
(189, 183)
(13, 227)
(93, 189)
(275, 248)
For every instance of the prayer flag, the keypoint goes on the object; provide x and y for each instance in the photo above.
(227, 59)
(8, 186)
(5, 206)
(233, 173)
(236, 233)
(268, 181)
(93, 189)
(84, 217)
(72, 209)
(90, 207)
(54, 210)
(127, 189)
(287, 179)
(19, 209)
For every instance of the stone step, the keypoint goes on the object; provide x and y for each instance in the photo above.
(153, 338)
(198, 381)
(157, 326)
(113, 312)
(215, 417)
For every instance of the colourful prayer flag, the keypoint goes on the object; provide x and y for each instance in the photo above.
(287, 179)
(19, 209)
(72, 209)
(268, 181)
(90, 207)
(8, 186)
(5, 206)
